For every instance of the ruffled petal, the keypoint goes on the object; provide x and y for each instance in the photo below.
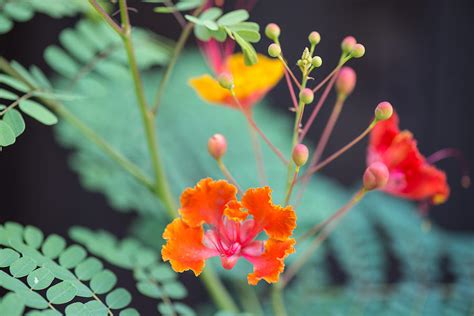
(210, 90)
(271, 263)
(234, 211)
(184, 248)
(205, 202)
(278, 222)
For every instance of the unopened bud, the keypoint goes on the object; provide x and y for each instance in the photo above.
(314, 38)
(346, 81)
(217, 146)
(272, 31)
(274, 50)
(375, 176)
(300, 155)
(383, 111)
(316, 61)
(226, 81)
(348, 44)
(307, 96)
(358, 51)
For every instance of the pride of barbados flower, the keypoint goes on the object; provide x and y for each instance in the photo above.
(411, 176)
(251, 83)
(214, 223)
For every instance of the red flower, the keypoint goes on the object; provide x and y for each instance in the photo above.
(411, 176)
(229, 233)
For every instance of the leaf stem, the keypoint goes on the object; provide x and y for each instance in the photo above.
(258, 154)
(16, 102)
(228, 175)
(174, 58)
(218, 292)
(278, 303)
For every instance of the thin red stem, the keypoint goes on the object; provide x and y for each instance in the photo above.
(291, 89)
(258, 154)
(290, 72)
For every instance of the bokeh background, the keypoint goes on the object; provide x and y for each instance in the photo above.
(419, 57)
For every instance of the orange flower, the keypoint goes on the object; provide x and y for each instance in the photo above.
(252, 83)
(230, 233)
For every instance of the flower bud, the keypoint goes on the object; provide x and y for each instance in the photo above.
(226, 81)
(375, 176)
(316, 61)
(272, 31)
(358, 51)
(274, 50)
(383, 111)
(348, 44)
(307, 96)
(346, 81)
(314, 38)
(300, 155)
(217, 146)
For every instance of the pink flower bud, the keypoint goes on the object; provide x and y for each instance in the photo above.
(272, 31)
(383, 111)
(358, 51)
(348, 44)
(375, 176)
(307, 96)
(300, 155)
(314, 38)
(226, 81)
(346, 81)
(274, 50)
(217, 146)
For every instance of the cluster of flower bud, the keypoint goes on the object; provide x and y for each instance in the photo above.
(350, 46)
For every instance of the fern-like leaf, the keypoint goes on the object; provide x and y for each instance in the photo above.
(45, 276)
(153, 278)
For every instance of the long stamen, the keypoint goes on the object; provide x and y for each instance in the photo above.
(458, 155)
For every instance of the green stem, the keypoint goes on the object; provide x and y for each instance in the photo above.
(249, 298)
(174, 58)
(218, 292)
(278, 303)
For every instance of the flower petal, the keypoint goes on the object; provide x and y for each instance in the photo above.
(234, 211)
(210, 90)
(271, 263)
(184, 248)
(278, 222)
(205, 202)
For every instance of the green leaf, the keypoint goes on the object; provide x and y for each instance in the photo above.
(118, 298)
(40, 77)
(7, 257)
(5, 24)
(233, 17)
(175, 290)
(129, 312)
(38, 112)
(53, 246)
(22, 267)
(72, 256)
(14, 83)
(33, 299)
(18, 11)
(250, 36)
(10, 283)
(14, 119)
(245, 26)
(12, 305)
(40, 279)
(33, 236)
(210, 14)
(103, 282)
(7, 135)
(149, 289)
(61, 293)
(7, 95)
(23, 72)
(250, 55)
(61, 62)
(88, 268)
(92, 308)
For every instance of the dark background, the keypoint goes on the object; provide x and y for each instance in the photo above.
(418, 57)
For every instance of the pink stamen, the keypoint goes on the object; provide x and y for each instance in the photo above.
(459, 156)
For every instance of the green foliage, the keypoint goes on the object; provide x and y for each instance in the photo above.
(92, 50)
(212, 24)
(181, 5)
(33, 84)
(153, 278)
(376, 233)
(24, 10)
(41, 275)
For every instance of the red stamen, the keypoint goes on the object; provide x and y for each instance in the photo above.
(459, 156)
